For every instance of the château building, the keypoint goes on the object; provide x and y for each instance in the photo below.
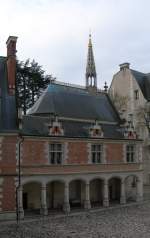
(130, 90)
(69, 151)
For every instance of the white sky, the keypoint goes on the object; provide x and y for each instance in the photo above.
(55, 34)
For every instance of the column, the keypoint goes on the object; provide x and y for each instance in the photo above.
(105, 194)
(139, 190)
(66, 206)
(87, 203)
(44, 210)
(122, 192)
(20, 203)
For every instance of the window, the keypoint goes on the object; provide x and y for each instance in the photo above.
(55, 153)
(96, 152)
(130, 153)
(136, 94)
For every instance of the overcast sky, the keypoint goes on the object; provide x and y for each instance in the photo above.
(55, 33)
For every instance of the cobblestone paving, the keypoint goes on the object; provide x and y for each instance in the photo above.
(126, 222)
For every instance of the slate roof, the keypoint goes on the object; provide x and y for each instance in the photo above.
(143, 81)
(36, 125)
(7, 102)
(70, 102)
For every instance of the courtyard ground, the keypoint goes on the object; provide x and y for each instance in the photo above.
(132, 221)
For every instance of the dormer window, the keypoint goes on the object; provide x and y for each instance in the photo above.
(55, 128)
(136, 94)
(96, 130)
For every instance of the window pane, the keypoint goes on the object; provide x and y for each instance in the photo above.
(59, 146)
(98, 147)
(52, 157)
(59, 157)
(98, 157)
(128, 157)
(93, 157)
(132, 157)
(93, 147)
(51, 147)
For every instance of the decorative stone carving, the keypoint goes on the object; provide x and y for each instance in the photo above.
(129, 132)
(96, 130)
(55, 128)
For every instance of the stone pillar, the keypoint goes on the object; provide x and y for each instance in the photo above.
(66, 206)
(20, 203)
(139, 190)
(122, 192)
(105, 194)
(44, 210)
(87, 203)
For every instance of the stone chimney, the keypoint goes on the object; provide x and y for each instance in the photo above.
(124, 66)
(11, 63)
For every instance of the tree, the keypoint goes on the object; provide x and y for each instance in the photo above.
(31, 81)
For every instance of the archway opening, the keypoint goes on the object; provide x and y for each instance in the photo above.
(131, 188)
(96, 192)
(31, 198)
(114, 190)
(76, 194)
(55, 195)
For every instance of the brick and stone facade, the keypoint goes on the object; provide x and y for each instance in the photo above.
(55, 162)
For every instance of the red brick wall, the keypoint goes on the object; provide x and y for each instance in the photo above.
(33, 152)
(8, 162)
(114, 153)
(77, 153)
(8, 198)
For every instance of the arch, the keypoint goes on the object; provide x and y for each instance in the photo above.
(133, 175)
(84, 180)
(77, 193)
(96, 192)
(131, 187)
(55, 180)
(38, 181)
(114, 186)
(31, 197)
(55, 194)
(117, 176)
(98, 178)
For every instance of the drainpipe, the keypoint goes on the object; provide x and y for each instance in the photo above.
(20, 140)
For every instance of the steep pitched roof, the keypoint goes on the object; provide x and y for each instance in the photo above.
(143, 81)
(71, 102)
(7, 102)
(77, 109)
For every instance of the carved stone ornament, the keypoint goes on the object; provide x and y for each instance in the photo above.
(96, 131)
(55, 128)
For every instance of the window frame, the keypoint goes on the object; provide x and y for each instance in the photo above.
(97, 152)
(131, 153)
(55, 151)
(136, 94)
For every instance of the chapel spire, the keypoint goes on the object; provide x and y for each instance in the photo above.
(91, 79)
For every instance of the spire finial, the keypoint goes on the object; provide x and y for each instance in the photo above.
(90, 36)
(91, 80)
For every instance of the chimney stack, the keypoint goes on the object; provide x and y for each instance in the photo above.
(124, 66)
(11, 63)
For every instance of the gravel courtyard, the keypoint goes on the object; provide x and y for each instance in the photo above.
(132, 221)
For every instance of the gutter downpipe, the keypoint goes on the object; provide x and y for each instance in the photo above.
(18, 217)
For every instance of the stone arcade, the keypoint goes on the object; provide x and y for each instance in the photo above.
(74, 152)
